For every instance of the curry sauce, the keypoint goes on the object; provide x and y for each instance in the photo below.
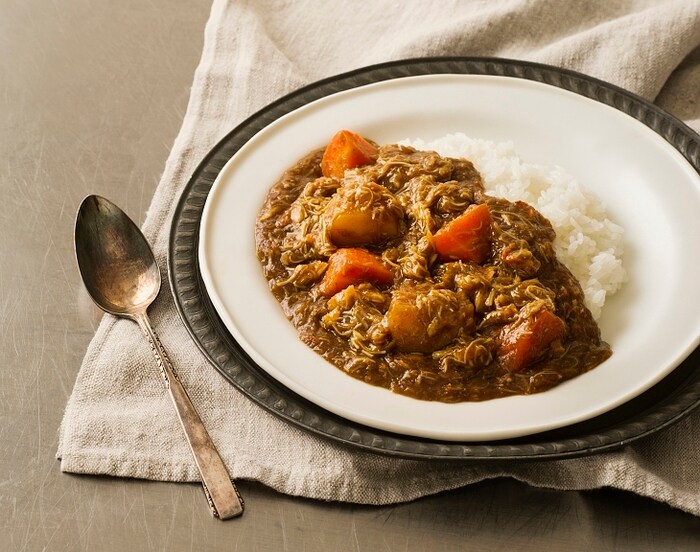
(401, 271)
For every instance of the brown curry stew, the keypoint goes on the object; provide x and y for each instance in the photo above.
(397, 267)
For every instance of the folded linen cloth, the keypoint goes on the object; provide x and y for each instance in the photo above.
(119, 421)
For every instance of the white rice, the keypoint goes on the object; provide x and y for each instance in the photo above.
(587, 242)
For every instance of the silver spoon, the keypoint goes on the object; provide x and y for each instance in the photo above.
(121, 275)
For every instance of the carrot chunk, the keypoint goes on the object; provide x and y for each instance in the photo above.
(524, 341)
(349, 266)
(346, 150)
(466, 238)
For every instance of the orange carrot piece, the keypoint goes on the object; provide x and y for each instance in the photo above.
(466, 238)
(346, 150)
(349, 266)
(524, 341)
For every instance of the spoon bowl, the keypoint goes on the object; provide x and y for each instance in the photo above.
(121, 275)
(116, 263)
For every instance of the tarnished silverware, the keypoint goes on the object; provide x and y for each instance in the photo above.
(121, 275)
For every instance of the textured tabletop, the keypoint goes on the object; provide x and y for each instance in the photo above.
(93, 95)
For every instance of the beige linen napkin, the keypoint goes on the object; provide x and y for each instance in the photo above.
(119, 420)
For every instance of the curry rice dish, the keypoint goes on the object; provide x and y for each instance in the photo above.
(396, 266)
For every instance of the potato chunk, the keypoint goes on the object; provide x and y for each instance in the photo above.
(422, 320)
(362, 213)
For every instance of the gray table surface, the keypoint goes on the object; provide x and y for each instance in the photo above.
(92, 96)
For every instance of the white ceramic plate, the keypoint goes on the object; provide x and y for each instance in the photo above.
(652, 324)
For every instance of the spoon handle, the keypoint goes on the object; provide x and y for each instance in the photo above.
(223, 497)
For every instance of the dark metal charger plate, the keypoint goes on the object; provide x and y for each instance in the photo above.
(659, 407)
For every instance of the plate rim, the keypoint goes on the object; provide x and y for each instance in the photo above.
(206, 329)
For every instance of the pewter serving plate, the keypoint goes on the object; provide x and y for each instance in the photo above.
(640, 161)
